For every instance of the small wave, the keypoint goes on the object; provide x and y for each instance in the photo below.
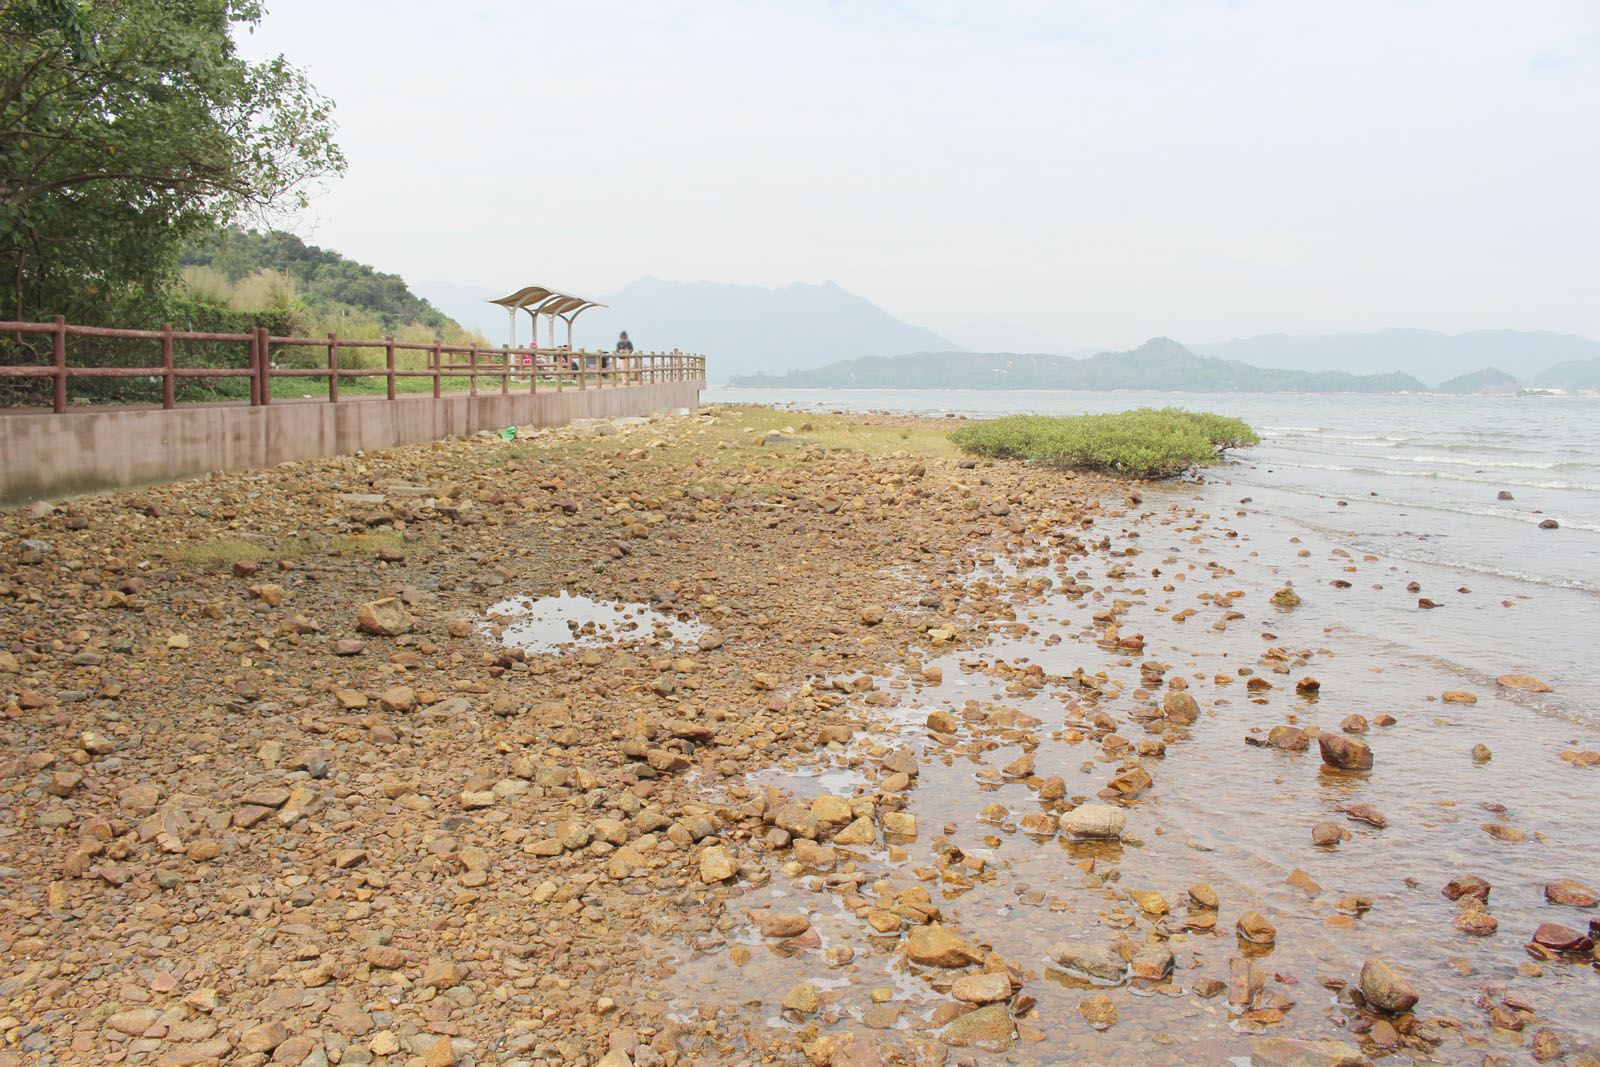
(1486, 463)
(1387, 472)
(1412, 555)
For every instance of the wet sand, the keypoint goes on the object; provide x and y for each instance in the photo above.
(483, 855)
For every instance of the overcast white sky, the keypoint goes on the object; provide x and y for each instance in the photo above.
(1093, 172)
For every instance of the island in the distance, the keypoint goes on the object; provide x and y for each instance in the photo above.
(1160, 363)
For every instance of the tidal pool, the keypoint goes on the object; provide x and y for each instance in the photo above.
(551, 623)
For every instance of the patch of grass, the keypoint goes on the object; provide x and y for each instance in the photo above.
(367, 544)
(226, 551)
(1143, 443)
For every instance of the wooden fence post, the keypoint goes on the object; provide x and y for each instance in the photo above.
(168, 400)
(472, 369)
(333, 368)
(505, 370)
(255, 367)
(58, 352)
(388, 362)
(436, 383)
(264, 351)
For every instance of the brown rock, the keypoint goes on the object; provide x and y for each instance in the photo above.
(934, 945)
(1021, 767)
(989, 1028)
(440, 1054)
(441, 974)
(1526, 682)
(860, 832)
(386, 617)
(1476, 923)
(1180, 707)
(264, 1038)
(717, 865)
(1254, 927)
(1345, 753)
(1098, 1011)
(1245, 982)
(1570, 893)
(1288, 738)
(1287, 1052)
(803, 999)
(1327, 834)
(1385, 989)
(1467, 885)
(986, 988)
(1560, 938)
(1366, 813)
(780, 924)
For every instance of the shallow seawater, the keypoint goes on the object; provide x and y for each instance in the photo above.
(1220, 811)
(542, 624)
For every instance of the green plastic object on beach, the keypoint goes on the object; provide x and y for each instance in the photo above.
(508, 434)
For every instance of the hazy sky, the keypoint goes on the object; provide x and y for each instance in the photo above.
(1091, 173)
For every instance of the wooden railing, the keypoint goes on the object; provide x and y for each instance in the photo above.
(524, 367)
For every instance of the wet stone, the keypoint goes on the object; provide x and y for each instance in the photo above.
(1096, 959)
(988, 1028)
(1385, 989)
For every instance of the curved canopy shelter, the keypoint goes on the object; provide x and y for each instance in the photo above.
(537, 300)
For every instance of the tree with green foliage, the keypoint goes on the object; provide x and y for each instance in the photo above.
(127, 128)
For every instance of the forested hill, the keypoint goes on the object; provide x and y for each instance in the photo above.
(1159, 363)
(323, 280)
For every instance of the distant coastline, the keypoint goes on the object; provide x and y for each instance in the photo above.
(1160, 364)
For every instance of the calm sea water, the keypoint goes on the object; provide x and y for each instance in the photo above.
(1412, 480)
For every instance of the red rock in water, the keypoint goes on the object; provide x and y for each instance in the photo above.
(1366, 813)
(1467, 885)
(1560, 938)
(1345, 753)
(1571, 893)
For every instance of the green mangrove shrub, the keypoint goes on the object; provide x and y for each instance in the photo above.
(1142, 443)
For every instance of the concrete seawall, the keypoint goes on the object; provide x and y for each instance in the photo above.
(44, 456)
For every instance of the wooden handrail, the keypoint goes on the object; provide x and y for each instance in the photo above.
(604, 369)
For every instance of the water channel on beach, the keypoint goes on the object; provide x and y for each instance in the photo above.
(1191, 572)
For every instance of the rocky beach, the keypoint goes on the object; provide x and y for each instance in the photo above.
(756, 737)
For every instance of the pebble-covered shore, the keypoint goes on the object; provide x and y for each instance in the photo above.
(277, 792)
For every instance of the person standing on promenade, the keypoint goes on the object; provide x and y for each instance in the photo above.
(624, 346)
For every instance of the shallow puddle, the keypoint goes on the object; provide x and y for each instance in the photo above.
(546, 624)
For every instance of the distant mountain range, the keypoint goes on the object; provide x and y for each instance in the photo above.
(1160, 363)
(820, 334)
(740, 329)
(1425, 354)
